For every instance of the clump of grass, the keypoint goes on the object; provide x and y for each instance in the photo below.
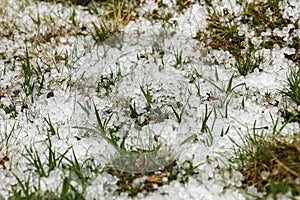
(221, 35)
(223, 31)
(25, 190)
(134, 183)
(271, 164)
(295, 57)
(53, 159)
(117, 14)
(248, 62)
(104, 86)
(75, 170)
(292, 89)
(28, 84)
(261, 15)
(102, 129)
(11, 109)
(5, 140)
(153, 111)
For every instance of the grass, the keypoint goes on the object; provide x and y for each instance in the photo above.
(41, 165)
(150, 181)
(25, 191)
(292, 89)
(223, 32)
(123, 152)
(155, 161)
(102, 130)
(270, 164)
(295, 57)
(5, 141)
(178, 114)
(43, 168)
(269, 161)
(222, 35)
(107, 82)
(248, 62)
(290, 111)
(117, 14)
(27, 85)
(179, 60)
(10, 110)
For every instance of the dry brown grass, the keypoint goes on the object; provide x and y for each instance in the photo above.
(274, 167)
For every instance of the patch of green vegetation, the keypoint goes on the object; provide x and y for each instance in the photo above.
(112, 16)
(180, 61)
(117, 14)
(261, 15)
(134, 183)
(52, 161)
(104, 86)
(296, 45)
(221, 35)
(291, 91)
(269, 163)
(28, 84)
(224, 32)
(153, 111)
(153, 163)
(75, 171)
(24, 191)
(11, 109)
(247, 62)
(5, 142)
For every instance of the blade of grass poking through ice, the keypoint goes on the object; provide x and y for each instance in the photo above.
(153, 158)
(224, 132)
(27, 86)
(177, 114)
(102, 127)
(191, 138)
(85, 108)
(229, 88)
(147, 96)
(54, 159)
(51, 127)
(204, 126)
(122, 145)
(76, 167)
(292, 90)
(276, 131)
